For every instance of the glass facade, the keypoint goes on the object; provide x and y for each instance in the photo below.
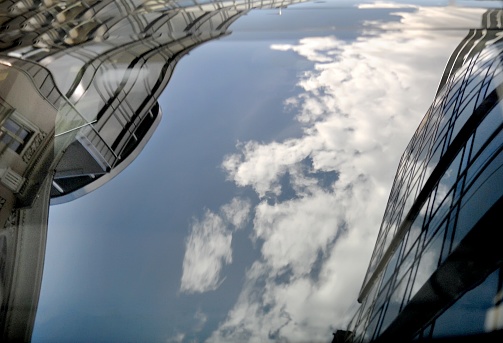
(117, 58)
(443, 208)
(80, 82)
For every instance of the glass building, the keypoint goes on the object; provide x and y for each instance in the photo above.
(110, 61)
(436, 269)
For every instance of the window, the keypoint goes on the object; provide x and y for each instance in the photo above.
(14, 135)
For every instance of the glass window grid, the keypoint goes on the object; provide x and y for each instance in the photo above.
(397, 218)
(412, 276)
(404, 249)
(411, 178)
(411, 197)
(389, 313)
(405, 161)
(432, 128)
(458, 188)
(406, 276)
(462, 189)
(407, 281)
(447, 228)
(488, 150)
(435, 237)
(484, 90)
(472, 85)
(396, 298)
(442, 124)
(449, 233)
(415, 285)
(403, 274)
(436, 213)
(372, 264)
(366, 312)
(386, 241)
(466, 154)
(381, 241)
(398, 205)
(448, 133)
(375, 296)
(496, 80)
(370, 329)
(491, 123)
(378, 296)
(399, 188)
(493, 68)
(428, 331)
(437, 219)
(480, 79)
(377, 328)
(457, 100)
(490, 167)
(355, 324)
(381, 250)
(417, 254)
(452, 96)
(401, 300)
(472, 72)
(463, 114)
(388, 237)
(407, 261)
(421, 162)
(390, 267)
(431, 163)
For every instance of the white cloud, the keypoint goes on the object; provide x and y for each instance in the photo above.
(178, 338)
(208, 248)
(201, 319)
(385, 4)
(359, 108)
(236, 212)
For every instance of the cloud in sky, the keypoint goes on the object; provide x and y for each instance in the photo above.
(177, 338)
(201, 319)
(236, 212)
(359, 107)
(208, 248)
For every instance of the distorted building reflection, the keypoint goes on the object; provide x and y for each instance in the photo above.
(436, 269)
(79, 83)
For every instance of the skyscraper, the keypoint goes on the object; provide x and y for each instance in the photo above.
(436, 269)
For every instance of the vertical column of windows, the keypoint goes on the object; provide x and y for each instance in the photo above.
(436, 238)
(406, 184)
(363, 315)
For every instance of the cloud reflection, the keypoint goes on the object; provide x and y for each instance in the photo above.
(208, 247)
(359, 107)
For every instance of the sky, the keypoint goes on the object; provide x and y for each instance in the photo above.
(251, 214)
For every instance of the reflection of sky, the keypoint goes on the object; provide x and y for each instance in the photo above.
(252, 212)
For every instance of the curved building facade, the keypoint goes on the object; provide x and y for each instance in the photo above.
(92, 71)
(111, 60)
(436, 269)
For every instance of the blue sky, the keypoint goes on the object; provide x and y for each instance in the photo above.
(252, 212)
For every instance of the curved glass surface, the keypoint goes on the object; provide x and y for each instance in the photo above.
(250, 170)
